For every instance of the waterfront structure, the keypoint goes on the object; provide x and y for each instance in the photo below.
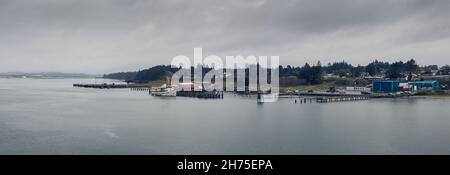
(424, 85)
(163, 91)
(358, 89)
(101, 86)
(404, 86)
(385, 86)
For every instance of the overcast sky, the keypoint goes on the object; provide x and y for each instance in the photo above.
(100, 36)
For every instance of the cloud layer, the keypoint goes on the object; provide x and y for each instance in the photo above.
(99, 36)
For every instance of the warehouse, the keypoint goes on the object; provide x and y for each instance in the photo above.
(424, 85)
(385, 86)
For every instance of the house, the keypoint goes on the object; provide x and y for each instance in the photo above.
(331, 76)
(424, 85)
(373, 78)
(385, 86)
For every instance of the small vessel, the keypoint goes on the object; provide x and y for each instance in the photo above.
(163, 91)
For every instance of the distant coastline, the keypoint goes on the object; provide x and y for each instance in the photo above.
(46, 75)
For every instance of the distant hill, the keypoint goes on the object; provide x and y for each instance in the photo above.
(159, 72)
(46, 75)
(126, 76)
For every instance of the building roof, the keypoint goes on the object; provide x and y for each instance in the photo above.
(388, 81)
(424, 82)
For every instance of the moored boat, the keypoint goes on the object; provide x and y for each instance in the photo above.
(163, 91)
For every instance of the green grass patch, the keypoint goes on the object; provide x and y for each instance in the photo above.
(319, 87)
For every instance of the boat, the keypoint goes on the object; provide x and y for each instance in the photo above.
(163, 91)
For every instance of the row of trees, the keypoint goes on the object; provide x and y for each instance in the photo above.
(126, 76)
(143, 76)
(376, 68)
(310, 74)
(445, 70)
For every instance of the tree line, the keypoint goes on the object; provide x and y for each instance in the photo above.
(310, 74)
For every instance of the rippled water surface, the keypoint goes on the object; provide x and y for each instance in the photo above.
(49, 116)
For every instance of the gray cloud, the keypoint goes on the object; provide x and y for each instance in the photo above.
(99, 36)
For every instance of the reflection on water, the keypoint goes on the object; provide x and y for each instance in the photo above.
(49, 116)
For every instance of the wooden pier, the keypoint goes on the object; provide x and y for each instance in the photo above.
(135, 87)
(341, 99)
(101, 86)
(140, 89)
(322, 94)
(201, 94)
(303, 100)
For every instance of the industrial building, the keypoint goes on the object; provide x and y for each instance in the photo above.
(424, 85)
(385, 86)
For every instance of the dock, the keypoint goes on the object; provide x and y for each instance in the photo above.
(101, 86)
(201, 94)
(140, 89)
(135, 87)
(341, 99)
(321, 93)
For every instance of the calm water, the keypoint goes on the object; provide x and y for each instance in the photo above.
(51, 117)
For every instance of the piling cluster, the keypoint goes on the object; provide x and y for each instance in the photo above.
(140, 89)
(201, 94)
(341, 99)
(303, 100)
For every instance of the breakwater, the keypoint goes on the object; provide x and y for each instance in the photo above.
(341, 99)
(201, 94)
(101, 86)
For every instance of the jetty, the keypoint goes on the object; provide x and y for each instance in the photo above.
(324, 93)
(341, 99)
(101, 86)
(137, 87)
(201, 94)
(140, 89)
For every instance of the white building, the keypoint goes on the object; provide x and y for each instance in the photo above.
(358, 89)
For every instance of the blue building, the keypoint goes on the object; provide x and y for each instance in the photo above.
(385, 86)
(424, 85)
